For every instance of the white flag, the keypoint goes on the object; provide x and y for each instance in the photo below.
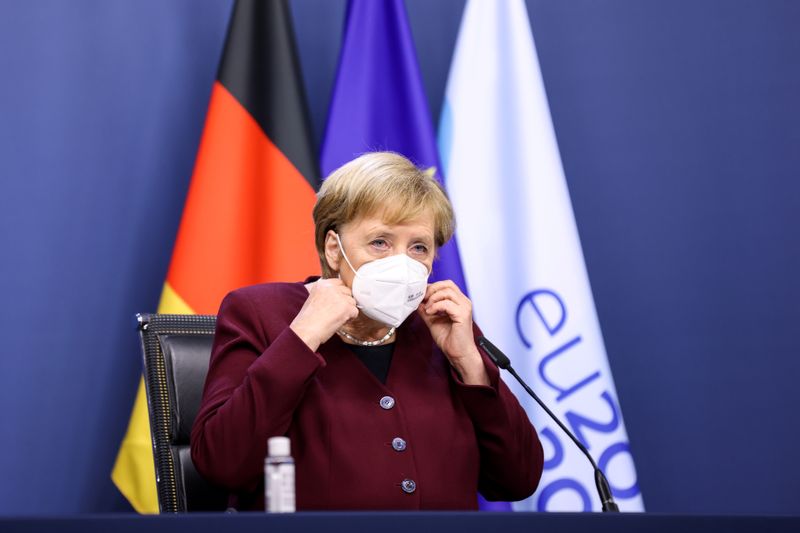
(522, 256)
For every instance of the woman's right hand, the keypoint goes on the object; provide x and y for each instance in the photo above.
(329, 305)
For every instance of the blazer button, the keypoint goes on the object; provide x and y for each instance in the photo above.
(408, 486)
(387, 402)
(398, 444)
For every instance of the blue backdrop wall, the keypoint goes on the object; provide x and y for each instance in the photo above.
(679, 128)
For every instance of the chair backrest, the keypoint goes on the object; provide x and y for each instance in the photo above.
(176, 351)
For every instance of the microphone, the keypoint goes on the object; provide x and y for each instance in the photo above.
(502, 361)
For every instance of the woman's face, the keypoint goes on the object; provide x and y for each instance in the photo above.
(369, 238)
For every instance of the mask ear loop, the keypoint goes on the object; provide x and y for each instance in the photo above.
(346, 259)
(341, 248)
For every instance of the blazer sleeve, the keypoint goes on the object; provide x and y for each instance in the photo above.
(253, 386)
(511, 456)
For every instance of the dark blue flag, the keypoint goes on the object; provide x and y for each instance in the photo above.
(379, 103)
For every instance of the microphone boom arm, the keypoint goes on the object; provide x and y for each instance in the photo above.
(502, 361)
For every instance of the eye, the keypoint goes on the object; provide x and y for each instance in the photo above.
(380, 244)
(420, 249)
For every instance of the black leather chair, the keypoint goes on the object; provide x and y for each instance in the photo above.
(176, 350)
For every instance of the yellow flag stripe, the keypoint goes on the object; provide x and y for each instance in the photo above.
(134, 470)
(172, 303)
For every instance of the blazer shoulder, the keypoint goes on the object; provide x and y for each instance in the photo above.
(266, 298)
(275, 289)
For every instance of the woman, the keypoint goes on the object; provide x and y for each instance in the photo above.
(371, 372)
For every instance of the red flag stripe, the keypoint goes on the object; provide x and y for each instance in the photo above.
(247, 217)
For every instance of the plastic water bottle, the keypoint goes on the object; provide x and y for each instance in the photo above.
(279, 476)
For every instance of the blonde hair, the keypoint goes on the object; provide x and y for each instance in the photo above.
(383, 184)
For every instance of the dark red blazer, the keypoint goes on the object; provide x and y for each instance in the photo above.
(264, 381)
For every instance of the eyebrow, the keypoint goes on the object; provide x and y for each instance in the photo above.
(384, 230)
(380, 228)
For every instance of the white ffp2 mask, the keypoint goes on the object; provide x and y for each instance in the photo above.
(388, 289)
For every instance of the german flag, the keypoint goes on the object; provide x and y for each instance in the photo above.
(247, 217)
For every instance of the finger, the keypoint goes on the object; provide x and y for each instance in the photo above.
(349, 311)
(323, 287)
(444, 283)
(447, 307)
(430, 291)
(447, 284)
(422, 312)
(461, 301)
(446, 293)
(344, 289)
(344, 302)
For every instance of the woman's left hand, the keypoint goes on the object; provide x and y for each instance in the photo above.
(448, 314)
